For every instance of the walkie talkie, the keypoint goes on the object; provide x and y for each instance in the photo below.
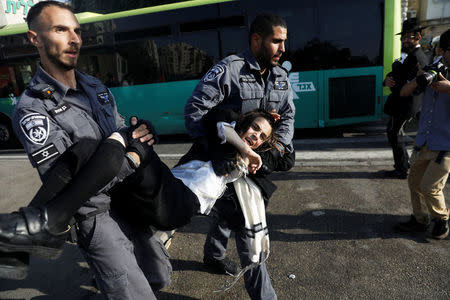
(42, 90)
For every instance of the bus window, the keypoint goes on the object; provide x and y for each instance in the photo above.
(234, 40)
(329, 34)
(26, 74)
(201, 52)
(103, 7)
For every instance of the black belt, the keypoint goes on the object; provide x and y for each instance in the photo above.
(80, 218)
(77, 218)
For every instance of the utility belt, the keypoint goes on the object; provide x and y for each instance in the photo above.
(78, 218)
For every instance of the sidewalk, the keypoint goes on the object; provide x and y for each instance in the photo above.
(353, 145)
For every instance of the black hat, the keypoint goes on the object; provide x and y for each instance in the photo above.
(411, 25)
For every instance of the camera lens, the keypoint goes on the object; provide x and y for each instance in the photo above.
(426, 78)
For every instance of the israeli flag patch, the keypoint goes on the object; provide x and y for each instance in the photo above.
(36, 128)
(44, 154)
(213, 73)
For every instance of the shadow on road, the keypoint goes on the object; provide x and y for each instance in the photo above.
(56, 279)
(329, 175)
(164, 295)
(333, 224)
(318, 225)
(187, 265)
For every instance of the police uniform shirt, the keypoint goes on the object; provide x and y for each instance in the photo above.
(47, 127)
(236, 83)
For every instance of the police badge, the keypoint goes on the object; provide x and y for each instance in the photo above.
(280, 85)
(213, 73)
(103, 98)
(36, 128)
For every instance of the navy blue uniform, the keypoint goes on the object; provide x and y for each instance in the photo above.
(114, 249)
(236, 83)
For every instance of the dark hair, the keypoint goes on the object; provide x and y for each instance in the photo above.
(264, 24)
(245, 121)
(444, 41)
(131, 118)
(36, 10)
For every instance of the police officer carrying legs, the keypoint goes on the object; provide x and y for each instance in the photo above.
(62, 107)
(244, 82)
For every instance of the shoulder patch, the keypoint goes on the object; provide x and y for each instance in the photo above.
(36, 128)
(103, 98)
(44, 154)
(213, 73)
(281, 85)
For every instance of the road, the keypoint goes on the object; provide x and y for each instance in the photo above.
(331, 225)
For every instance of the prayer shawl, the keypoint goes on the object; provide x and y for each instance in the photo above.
(253, 208)
(201, 179)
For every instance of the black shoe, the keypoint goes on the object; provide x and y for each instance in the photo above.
(440, 229)
(224, 266)
(396, 174)
(27, 231)
(14, 265)
(412, 226)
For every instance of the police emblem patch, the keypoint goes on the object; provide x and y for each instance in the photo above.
(281, 85)
(213, 73)
(36, 128)
(103, 98)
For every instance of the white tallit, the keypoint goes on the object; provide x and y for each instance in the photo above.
(200, 178)
(253, 208)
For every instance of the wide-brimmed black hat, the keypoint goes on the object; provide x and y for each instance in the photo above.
(411, 25)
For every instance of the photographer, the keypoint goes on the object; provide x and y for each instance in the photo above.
(430, 161)
(401, 109)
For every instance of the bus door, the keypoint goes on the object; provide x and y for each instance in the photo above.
(305, 86)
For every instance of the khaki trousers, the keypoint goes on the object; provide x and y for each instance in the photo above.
(426, 180)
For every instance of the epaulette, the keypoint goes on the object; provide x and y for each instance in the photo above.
(233, 58)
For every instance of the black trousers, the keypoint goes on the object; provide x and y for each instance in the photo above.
(153, 196)
(395, 138)
(149, 196)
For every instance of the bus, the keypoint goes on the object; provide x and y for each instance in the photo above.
(151, 57)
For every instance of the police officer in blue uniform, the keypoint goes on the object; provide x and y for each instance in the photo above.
(242, 83)
(62, 107)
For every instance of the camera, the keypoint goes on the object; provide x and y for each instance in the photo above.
(431, 74)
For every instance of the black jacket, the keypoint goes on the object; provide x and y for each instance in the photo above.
(405, 107)
(209, 148)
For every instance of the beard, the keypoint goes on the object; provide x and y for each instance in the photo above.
(264, 58)
(407, 48)
(55, 58)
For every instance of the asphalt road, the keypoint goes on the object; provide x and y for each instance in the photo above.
(331, 225)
